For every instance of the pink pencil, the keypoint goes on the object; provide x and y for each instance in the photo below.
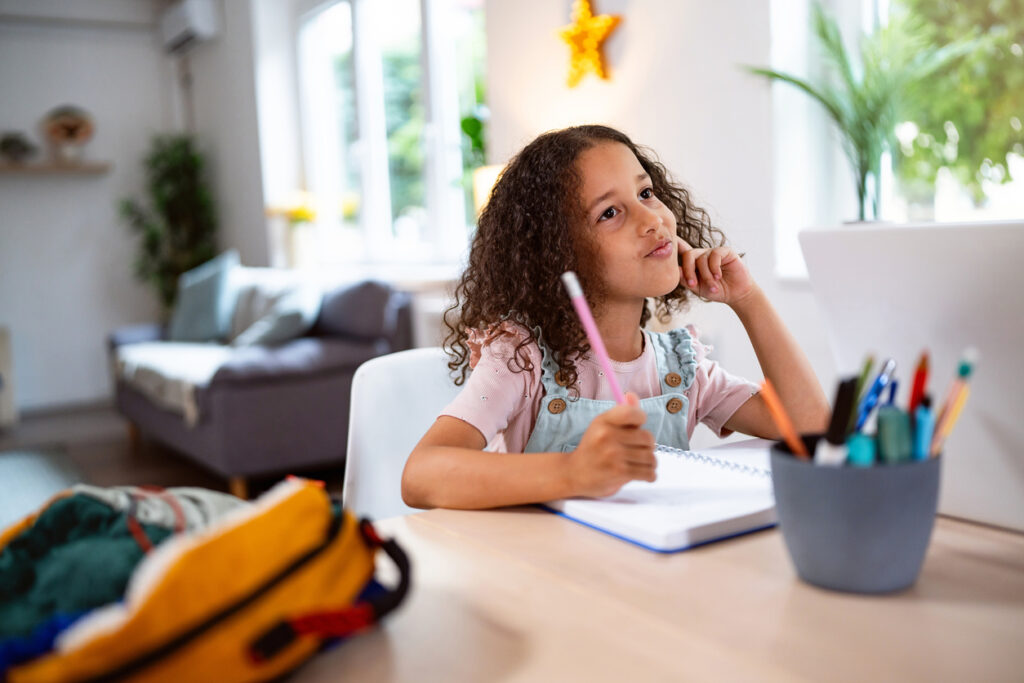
(572, 285)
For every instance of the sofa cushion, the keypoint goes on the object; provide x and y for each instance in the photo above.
(356, 310)
(304, 357)
(277, 316)
(171, 373)
(202, 311)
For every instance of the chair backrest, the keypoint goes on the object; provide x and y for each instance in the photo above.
(395, 399)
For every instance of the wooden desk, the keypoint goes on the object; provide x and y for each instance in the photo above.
(524, 595)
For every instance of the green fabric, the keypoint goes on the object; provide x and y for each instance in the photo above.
(77, 556)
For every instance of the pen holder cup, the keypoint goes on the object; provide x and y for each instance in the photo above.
(855, 529)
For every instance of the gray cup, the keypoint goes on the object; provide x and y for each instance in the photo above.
(855, 529)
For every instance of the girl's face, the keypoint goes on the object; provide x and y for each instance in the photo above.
(634, 232)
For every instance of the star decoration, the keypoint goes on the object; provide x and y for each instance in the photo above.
(584, 37)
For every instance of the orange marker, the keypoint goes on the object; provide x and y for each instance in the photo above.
(782, 421)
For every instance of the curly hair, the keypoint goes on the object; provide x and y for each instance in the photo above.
(531, 231)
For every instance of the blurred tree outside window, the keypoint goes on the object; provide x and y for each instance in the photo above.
(961, 155)
(471, 59)
(405, 117)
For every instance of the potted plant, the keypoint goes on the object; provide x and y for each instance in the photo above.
(867, 92)
(178, 231)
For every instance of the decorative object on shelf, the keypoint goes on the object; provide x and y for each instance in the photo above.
(15, 148)
(179, 232)
(868, 92)
(67, 129)
(584, 37)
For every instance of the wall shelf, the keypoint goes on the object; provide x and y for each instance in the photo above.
(50, 168)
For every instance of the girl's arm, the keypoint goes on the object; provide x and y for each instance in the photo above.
(720, 275)
(449, 468)
(784, 363)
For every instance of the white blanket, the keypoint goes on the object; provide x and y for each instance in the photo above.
(170, 372)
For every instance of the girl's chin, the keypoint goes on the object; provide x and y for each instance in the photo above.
(667, 284)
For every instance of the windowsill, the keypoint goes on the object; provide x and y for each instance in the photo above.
(408, 277)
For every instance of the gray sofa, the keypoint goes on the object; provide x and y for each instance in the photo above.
(268, 409)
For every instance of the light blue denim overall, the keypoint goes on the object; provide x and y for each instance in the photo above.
(562, 421)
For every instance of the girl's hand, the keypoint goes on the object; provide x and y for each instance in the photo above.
(614, 450)
(717, 274)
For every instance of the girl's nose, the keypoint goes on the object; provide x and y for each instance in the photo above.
(647, 219)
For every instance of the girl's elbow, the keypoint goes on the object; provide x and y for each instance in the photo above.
(412, 497)
(414, 493)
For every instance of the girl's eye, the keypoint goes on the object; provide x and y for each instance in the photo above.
(647, 193)
(608, 214)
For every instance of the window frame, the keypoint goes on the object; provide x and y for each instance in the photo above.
(444, 236)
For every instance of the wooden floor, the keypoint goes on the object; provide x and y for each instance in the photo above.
(96, 441)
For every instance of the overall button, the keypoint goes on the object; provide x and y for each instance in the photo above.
(560, 379)
(673, 406)
(673, 380)
(558, 405)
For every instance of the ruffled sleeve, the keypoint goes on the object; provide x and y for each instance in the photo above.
(496, 395)
(715, 393)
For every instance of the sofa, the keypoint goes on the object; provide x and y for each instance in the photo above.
(244, 406)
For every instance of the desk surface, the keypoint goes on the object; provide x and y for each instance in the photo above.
(524, 595)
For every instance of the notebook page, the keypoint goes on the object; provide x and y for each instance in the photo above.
(694, 500)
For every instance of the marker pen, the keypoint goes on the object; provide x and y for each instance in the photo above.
(894, 442)
(832, 449)
(861, 450)
(924, 425)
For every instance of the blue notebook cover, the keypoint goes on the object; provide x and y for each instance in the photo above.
(699, 497)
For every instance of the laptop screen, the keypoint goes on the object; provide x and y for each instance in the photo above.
(893, 291)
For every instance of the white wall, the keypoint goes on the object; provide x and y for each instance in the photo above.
(676, 85)
(226, 123)
(65, 257)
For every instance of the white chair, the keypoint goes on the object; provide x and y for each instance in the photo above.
(395, 399)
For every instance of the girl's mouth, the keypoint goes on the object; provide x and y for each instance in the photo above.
(665, 248)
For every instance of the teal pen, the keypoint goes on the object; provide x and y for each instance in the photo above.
(894, 440)
(924, 426)
(861, 450)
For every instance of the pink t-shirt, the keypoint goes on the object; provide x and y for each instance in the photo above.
(503, 405)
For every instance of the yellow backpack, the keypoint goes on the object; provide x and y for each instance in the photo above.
(247, 599)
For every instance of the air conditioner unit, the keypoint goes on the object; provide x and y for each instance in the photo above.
(188, 22)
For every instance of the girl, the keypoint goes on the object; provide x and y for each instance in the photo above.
(588, 199)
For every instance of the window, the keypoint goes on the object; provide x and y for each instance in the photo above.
(962, 155)
(952, 161)
(383, 87)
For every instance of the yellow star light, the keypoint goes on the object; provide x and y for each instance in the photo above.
(584, 36)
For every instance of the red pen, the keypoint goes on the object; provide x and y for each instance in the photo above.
(920, 379)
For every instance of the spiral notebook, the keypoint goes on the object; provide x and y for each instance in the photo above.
(699, 497)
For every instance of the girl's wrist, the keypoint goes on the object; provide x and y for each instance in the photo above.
(566, 485)
(750, 301)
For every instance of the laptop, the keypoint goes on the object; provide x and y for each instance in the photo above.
(894, 290)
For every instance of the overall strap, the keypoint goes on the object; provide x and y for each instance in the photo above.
(677, 359)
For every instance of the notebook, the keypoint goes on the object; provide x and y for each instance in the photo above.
(699, 497)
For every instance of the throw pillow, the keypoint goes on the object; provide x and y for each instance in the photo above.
(291, 315)
(202, 311)
(357, 310)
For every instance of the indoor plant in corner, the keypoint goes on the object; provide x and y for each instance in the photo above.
(178, 230)
(869, 91)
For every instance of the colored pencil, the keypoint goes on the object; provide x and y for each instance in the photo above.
(782, 421)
